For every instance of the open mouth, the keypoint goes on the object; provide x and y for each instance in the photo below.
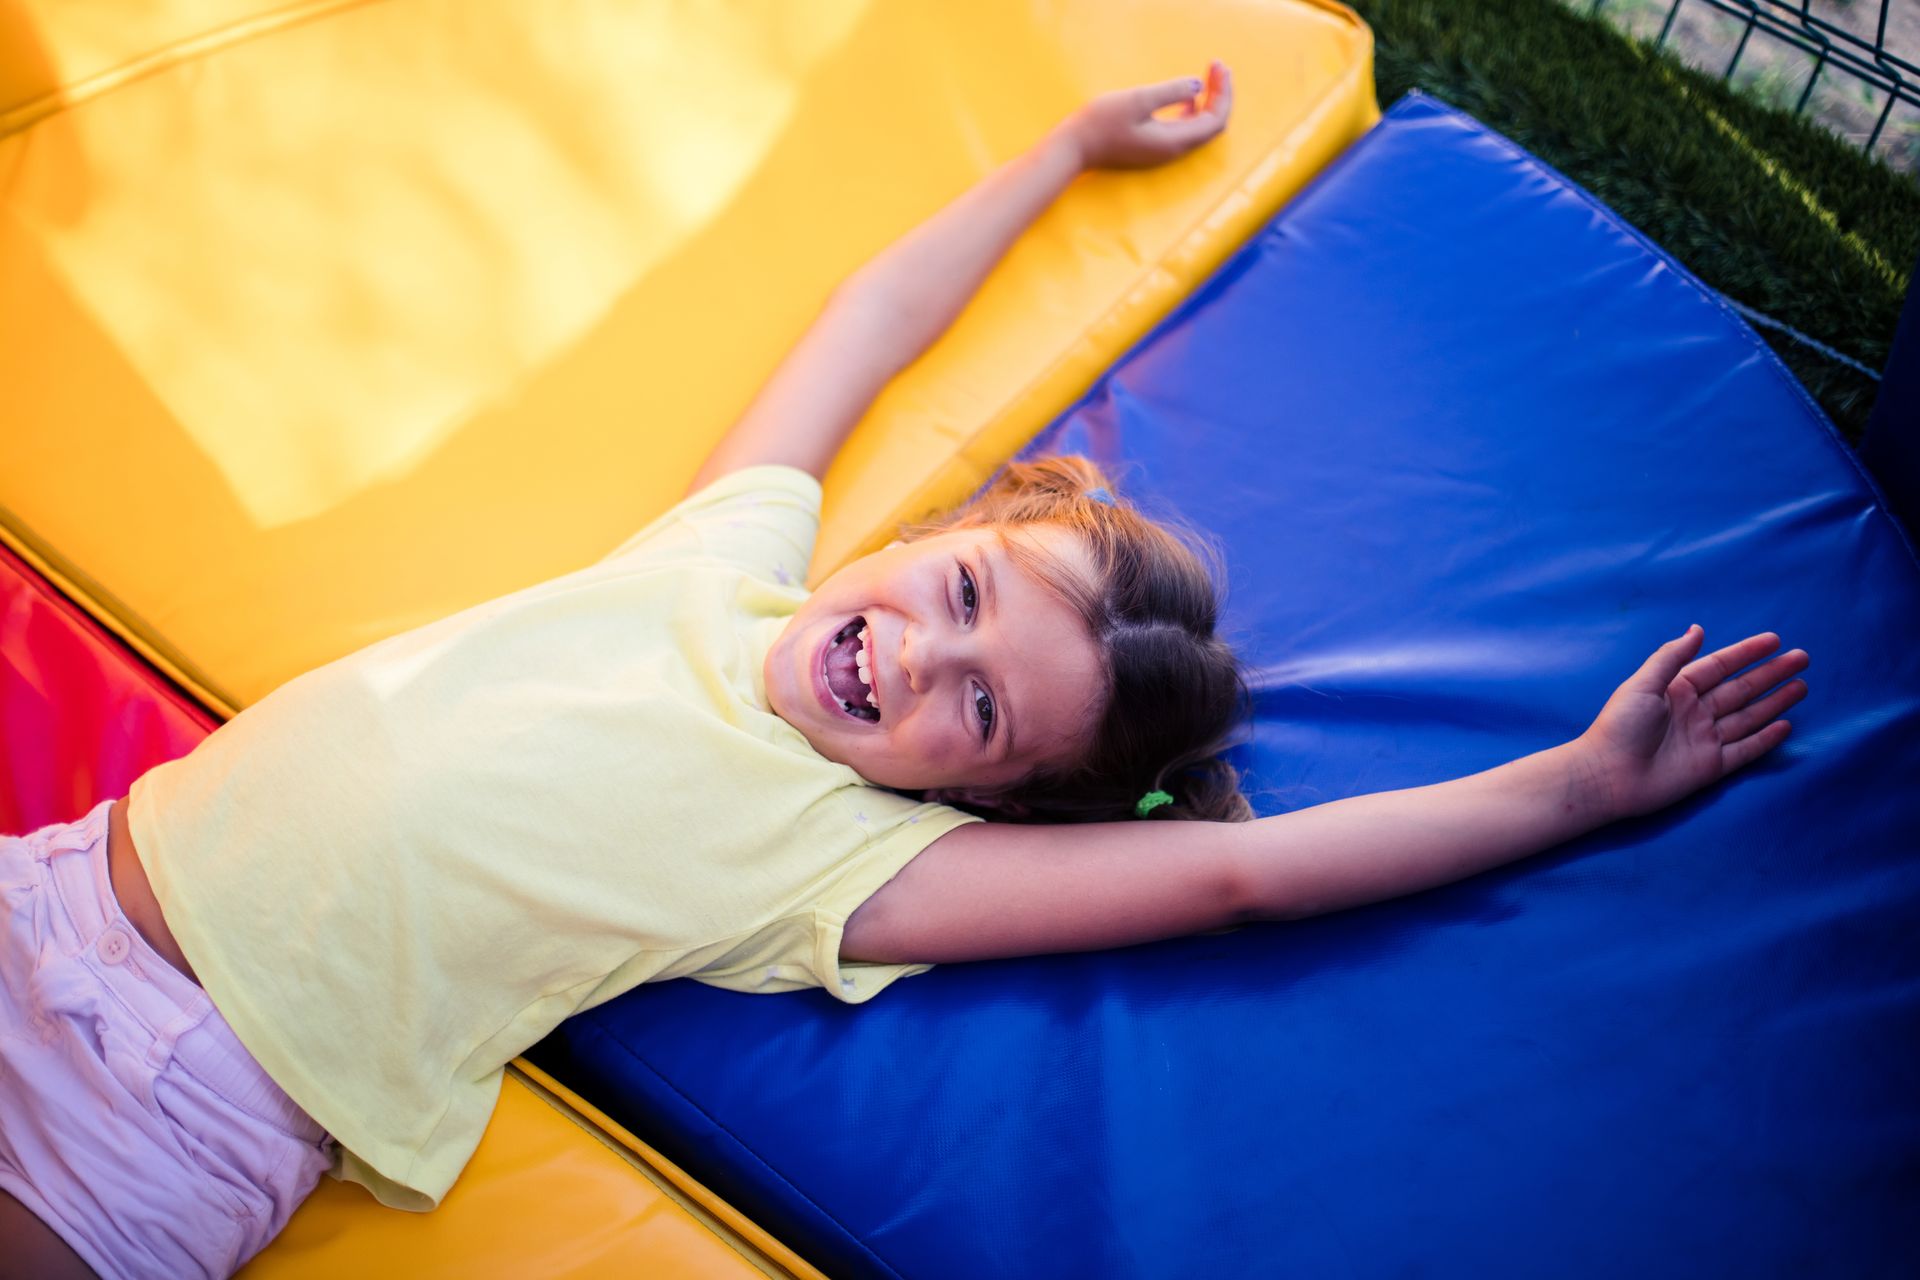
(847, 668)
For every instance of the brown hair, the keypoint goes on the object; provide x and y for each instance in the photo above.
(1173, 689)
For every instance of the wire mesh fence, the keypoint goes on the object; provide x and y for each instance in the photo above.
(1847, 63)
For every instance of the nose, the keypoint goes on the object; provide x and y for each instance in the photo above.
(926, 657)
(910, 659)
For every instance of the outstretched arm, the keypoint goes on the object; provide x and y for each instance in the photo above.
(887, 313)
(990, 889)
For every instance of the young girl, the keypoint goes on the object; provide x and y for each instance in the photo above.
(319, 937)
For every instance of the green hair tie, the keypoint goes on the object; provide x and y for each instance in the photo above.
(1149, 802)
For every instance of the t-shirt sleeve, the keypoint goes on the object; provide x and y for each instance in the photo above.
(802, 949)
(762, 520)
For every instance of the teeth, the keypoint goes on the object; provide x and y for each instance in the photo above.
(871, 700)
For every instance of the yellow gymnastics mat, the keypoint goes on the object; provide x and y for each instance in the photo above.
(547, 1195)
(323, 320)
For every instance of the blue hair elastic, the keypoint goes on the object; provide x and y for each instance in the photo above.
(1101, 495)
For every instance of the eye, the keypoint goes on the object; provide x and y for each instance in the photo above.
(983, 706)
(969, 598)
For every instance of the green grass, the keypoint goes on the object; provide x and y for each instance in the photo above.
(1773, 211)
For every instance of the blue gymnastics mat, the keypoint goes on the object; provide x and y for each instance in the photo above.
(1473, 447)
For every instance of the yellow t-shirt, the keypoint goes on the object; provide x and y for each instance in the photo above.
(396, 872)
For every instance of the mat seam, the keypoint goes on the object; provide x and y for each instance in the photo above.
(1192, 300)
(1188, 236)
(861, 1245)
(114, 617)
(148, 674)
(176, 54)
(725, 1232)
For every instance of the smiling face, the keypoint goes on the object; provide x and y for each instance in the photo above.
(978, 673)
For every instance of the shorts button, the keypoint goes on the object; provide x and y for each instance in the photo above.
(114, 945)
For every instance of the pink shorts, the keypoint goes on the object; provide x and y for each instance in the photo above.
(132, 1121)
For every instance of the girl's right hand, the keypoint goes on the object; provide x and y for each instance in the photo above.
(1133, 128)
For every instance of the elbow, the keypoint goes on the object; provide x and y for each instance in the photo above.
(873, 320)
(1250, 897)
(868, 303)
(1260, 883)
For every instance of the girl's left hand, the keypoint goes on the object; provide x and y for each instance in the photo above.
(1682, 723)
(1152, 124)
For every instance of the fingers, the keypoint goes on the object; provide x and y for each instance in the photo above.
(1149, 98)
(1212, 97)
(1747, 715)
(1214, 104)
(1709, 671)
(1189, 132)
(1739, 755)
(1737, 691)
(1217, 98)
(1748, 720)
(1658, 671)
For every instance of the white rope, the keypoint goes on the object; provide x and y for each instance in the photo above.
(1768, 322)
